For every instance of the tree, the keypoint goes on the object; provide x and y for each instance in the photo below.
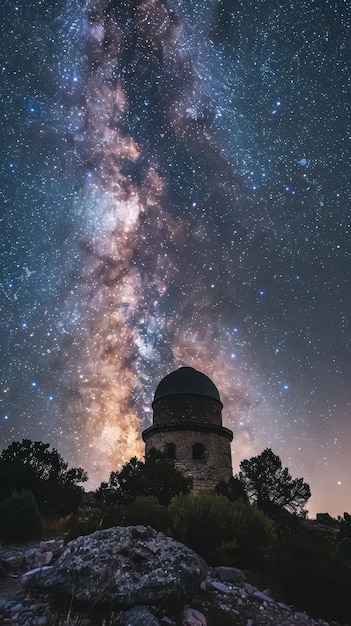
(19, 517)
(124, 486)
(269, 484)
(233, 490)
(31, 465)
(162, 478)
(344, 538)
(157, 476)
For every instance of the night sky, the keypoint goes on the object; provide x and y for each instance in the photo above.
(175, 190)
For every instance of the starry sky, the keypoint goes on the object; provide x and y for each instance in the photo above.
(175, 190)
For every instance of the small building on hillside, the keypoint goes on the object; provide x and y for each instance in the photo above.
(187, 425)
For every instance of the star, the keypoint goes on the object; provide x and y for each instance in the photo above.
(175, 191)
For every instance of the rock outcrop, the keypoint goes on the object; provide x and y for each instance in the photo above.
(132, 576)
(125, 565)
(14, 559)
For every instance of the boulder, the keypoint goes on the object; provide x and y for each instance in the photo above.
(192, 617)
(55, 546)
(130, 565)
(221, 587)
(36, 558)
(262, 596)
(230, 575)
(17, 559)
(32, 577)
(138, 616)
(12, 561)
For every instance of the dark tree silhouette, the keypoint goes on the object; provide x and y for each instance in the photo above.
(345, 525)
(233, 490)
(31, 465)
(157, 476)
(19, 517)
(344, 537)
(269, 484)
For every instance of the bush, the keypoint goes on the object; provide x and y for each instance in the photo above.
(310, 575)
(344, 549)
(219, 529)
(80, 526)
(343, 539)
(53, 527)
(226, 554)
(145, 510)
(19, 517)
(233, 489)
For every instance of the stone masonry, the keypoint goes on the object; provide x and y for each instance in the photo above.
(188, 427)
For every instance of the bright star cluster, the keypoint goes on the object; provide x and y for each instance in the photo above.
(176, 191)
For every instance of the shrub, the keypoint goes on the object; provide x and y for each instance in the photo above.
(215, 527)
(53, 527)
(233, 489)
(254, 532)
(145, 510)
(226, 554)
(344, 549)
(80, 526)
(309, 575)
(19, 517)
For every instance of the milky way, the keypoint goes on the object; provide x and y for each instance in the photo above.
(175, 191)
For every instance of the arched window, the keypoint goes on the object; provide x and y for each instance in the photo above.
(170, 450)
(198, 451)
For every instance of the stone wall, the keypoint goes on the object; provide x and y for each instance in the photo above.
(189, 408)
(207, 472)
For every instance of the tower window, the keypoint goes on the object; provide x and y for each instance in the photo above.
(170, 450)
(198, 451)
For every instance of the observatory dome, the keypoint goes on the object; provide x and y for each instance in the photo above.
(186, 380)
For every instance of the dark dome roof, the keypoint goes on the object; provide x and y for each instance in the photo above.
(186, 380)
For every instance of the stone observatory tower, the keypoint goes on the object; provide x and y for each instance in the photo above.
(187, 425)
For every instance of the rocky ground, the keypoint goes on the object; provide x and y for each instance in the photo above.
(130, 576)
